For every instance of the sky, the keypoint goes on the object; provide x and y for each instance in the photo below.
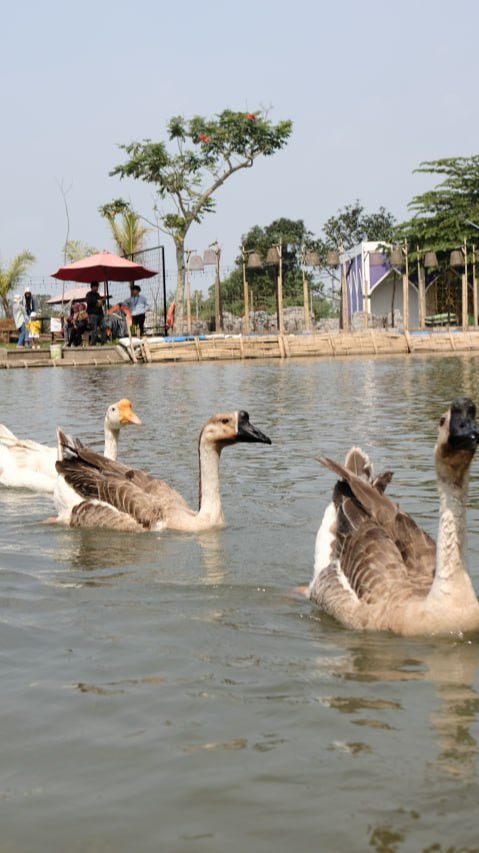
(373, 88)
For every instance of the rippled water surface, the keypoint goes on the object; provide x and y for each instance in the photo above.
(167, 693)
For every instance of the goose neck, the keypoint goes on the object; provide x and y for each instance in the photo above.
(111, 441)
(210, 497)
(451, 560)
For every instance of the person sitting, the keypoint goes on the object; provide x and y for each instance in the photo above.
(96, 317)
(77, 323)
(138, 306)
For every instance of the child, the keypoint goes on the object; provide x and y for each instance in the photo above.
(34, 329)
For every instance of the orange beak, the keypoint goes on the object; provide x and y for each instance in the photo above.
(127, 415)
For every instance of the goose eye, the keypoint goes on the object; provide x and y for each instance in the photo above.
(442, 421)
(225, 421)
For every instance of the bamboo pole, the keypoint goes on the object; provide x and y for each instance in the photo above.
(245, 295)
(422, 293)
(188, 254)
(465, 316)
(474, 286)
(279, 291)
(405, 289)
(344, 296)
(218, 311)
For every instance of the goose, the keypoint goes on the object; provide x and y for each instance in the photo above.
(96, 492)
(376, 569)
(29, 465)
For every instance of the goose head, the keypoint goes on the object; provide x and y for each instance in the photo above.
(120, 414)
(227, 428)
(458, 437)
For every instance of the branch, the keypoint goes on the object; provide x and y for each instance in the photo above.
(243, 164)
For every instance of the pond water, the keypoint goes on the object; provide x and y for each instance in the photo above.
(166, 692)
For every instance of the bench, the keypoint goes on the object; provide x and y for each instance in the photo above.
(7, 330)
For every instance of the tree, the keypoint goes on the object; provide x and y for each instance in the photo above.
(351, 225)
(207, 151)
(293, 234)
(440, 220)
(75, 250)
(128, 233)
(12, 276)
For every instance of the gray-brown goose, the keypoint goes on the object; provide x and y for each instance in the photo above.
(96, 492)
(376, 569)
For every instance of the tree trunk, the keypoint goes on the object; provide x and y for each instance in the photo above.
(180, 284)
(5, 305)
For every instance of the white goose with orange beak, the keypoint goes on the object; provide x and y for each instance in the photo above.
(26, 464)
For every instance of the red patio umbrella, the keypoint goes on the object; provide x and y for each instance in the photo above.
(103, 267)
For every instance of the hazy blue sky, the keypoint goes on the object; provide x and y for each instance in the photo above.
(372, 88)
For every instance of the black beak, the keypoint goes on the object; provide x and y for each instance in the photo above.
(248, 432)
(463, 432)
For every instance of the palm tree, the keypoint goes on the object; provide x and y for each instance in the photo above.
(11, 276)
(75, 250)
(128, 233)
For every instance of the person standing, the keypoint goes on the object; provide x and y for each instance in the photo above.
(138, 306)
(20, 320)
(29, 302)
(96, 317)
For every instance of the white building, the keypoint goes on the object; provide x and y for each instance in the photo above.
(374, 286)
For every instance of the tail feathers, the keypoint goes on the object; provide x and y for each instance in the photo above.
(68, 447)
(359, 463)
(7, 438)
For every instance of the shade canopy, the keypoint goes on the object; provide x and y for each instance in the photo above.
(76, 294)
(103, 267)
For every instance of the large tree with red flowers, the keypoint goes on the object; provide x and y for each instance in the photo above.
(205, 153)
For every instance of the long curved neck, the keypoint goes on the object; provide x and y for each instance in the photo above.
(210, 497)
(452, 576)
(111, 441)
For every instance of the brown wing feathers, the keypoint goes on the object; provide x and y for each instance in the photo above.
(93, 476)
(377, 543)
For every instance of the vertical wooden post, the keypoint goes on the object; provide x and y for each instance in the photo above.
(280, 290)
(307, 315)
(405, 290)
(422, 293)
(344, 317)
(218, 311)
(245, 295)
(474, 286)
(465, 315)
(364, 261)
(188, 254)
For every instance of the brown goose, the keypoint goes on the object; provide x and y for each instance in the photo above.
(96, 492)
(376, 569)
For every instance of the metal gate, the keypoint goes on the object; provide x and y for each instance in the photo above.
(154, 288)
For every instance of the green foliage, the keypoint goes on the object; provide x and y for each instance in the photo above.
(128, 233)
(11, 276)
(203, 153)
(439, 221)
(351, 225)
(75, 250)
(206, 152)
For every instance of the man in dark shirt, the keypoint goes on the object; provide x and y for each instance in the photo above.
(96, 318)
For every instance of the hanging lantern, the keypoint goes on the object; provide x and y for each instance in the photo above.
(209, 257)
(196, 263)
(396, 258)
(272, 256)
(332, 259)
(312, 259)
(430, 260)
(376, 259)
(457, 258)
(255, 260)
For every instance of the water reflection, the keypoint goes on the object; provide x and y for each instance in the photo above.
(450, 667)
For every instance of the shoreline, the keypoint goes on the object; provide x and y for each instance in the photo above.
(238, 348)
